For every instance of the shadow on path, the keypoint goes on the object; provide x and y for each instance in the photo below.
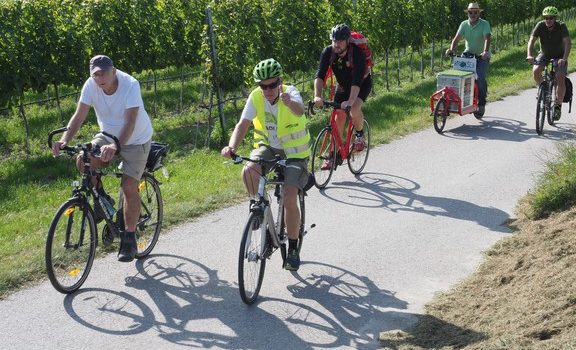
(506, 129)
(397, 193)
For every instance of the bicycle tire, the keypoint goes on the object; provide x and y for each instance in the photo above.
(151, 215)
(69, 250)
(251, 265)
(541, 108)
(357, 159)
(302, 233)
(324, 149)
(440, 115)
(550, 109)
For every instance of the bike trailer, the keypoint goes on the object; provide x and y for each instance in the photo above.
(462, 84)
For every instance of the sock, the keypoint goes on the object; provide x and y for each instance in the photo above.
(292, 244)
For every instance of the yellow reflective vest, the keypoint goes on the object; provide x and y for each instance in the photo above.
(292, 131)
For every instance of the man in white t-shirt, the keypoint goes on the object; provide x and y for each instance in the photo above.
(277, 113)
(119, 108)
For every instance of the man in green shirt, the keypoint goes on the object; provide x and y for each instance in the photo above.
(477, 35)
(554, 44)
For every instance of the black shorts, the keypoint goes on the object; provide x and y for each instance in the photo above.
(342, 94)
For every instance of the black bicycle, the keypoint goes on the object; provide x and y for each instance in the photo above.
(263, 235)
(73, 237)
(546, 97)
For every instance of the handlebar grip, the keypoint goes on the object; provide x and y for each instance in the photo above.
(311, 110)
(115, 139)
(236, 159)
(55, 132)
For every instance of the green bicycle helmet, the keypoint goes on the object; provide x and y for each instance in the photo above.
(550, 11)
(267, 69)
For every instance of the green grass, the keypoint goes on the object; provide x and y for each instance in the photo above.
(556, 190)
(33, 184)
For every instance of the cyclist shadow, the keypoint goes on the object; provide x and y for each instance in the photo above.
(192, 301)
(360, 306)
(506, 129)
(397, 193)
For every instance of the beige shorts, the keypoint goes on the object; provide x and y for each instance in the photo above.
(133, 156)
(295, 174)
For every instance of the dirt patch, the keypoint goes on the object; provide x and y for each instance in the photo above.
(522, 297)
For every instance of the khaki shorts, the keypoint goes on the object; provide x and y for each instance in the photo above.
(133, 156)
(295, 174)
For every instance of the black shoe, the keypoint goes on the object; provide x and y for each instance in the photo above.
(128, 247)
(292, 260)
(557, 112)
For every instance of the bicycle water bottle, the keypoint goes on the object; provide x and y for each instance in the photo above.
(107, 206)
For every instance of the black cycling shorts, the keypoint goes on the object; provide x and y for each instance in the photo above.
(342, 94)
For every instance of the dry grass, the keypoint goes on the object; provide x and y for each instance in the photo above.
(522, 297)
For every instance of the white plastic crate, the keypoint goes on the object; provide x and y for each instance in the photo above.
(461, 82)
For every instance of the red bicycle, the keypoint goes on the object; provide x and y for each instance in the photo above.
(329, 152)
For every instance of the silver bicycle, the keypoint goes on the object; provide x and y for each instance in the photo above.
(262, 234)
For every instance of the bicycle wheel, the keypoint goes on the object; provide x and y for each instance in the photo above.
(357, 159)
(252, 259)
(324, 150)
(440, 115)
(71, 245)
(151, 215)
(541, 108)
(550, 104)
(302, 233)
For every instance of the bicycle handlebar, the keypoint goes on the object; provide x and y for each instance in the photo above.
(332, 104)
(80, 146)
(237, 159)
(552, 61)
(465, 55)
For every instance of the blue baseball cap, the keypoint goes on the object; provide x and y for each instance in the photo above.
(100, 62)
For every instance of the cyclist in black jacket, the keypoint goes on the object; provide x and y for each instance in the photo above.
(348, 64)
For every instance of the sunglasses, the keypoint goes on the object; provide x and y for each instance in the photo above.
(473, 12)
(269, 86)
(549, 18)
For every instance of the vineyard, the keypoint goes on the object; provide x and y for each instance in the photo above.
(46, 44)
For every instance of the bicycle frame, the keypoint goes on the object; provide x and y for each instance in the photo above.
(334, 130)
(86, 188)
(262, 204)
(549, 76)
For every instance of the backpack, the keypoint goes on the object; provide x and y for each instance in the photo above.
(358, 39)
(568, 94)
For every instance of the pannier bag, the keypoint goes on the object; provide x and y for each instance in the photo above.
(158, 152)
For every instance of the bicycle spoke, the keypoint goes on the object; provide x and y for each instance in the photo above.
(357, 159)
(151, 215)
(322, 163)
(70, 246)
(251, 262)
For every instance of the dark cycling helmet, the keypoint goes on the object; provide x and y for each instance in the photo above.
(267, 69)
(340, 32)
(550, 11)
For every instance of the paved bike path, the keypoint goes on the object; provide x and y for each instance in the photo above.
(385, 242)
